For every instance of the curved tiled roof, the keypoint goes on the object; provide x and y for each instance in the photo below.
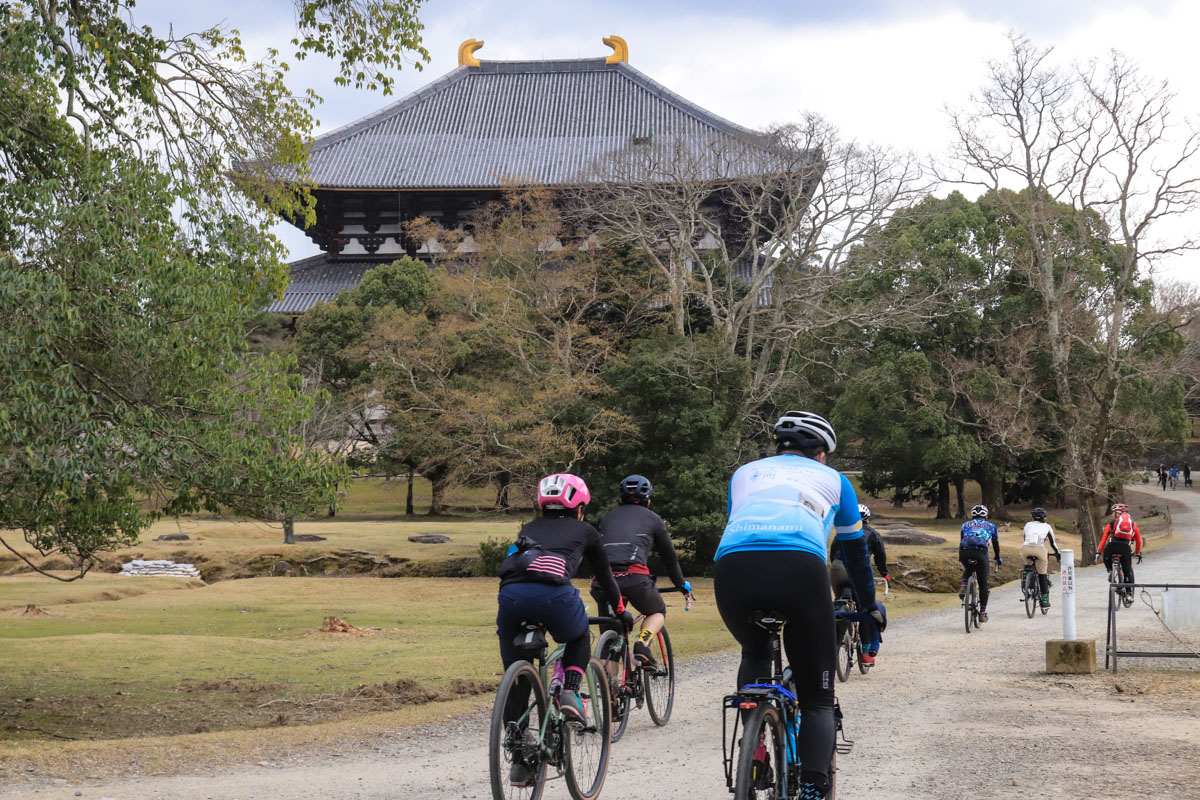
(319, 280)
(544, 122)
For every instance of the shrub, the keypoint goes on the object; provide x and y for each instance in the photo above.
(491, 556)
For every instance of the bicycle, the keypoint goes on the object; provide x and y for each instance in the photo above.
(628, 684)
(970, 600)
(537, 734)
(1031, 587)
(1116, 575)
(850, 647)
(770, 730)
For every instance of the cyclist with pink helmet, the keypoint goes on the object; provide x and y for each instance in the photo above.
(535, 586)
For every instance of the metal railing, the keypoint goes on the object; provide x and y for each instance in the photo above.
(1111, 649)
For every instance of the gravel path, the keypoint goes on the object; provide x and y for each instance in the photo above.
(943, 715)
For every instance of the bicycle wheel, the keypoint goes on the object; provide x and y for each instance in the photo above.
(970, 598)
(610, 652)
(588, 745)
(760, 766)
(844, 657)
(975, 602)
(514, 736)
(659, 682)
(1030, 590)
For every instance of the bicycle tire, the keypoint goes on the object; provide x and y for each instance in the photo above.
(1029, 589)
(842, 666)
(659, 683)
(969, 599)
(975, 603)
(754, 782)
(586, 747)
(500, 750)
(619, 695)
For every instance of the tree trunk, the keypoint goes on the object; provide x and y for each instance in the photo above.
(408, 503)
(437, 483)
(943, 498)
(289, 530)
(1088, 516)
(991, 482)
(960, 491)
(502, 491)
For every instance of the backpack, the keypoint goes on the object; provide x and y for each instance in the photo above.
(1123, 529)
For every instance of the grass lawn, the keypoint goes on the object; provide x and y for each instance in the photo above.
(119, 657)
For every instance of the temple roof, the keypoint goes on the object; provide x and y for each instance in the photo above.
(551, 123)
(318, 280)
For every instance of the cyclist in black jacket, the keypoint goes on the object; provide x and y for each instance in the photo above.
(535, 585)
(628, 533)
(840, 581)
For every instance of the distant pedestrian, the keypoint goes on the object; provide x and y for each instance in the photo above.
(1162, 476)
(1174, 474)
(1187, 475)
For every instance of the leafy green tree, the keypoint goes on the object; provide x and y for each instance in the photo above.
(682, 394)
(132, 260)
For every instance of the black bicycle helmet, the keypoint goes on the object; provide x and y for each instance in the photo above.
(1039, 514)
(979, 512)
(636, 487)
(800, 430)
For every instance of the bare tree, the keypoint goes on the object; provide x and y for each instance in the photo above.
(1101, 139)
(752, 232)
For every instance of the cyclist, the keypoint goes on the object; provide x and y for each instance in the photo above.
(1120, 532)
(977, 533)
(628, 533)
(840, 580)
(535, 585)
(1038, 533)
(772, 557)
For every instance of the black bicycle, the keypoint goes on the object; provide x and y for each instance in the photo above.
(528, 729)
(762, 761)
(1031, 591)
(629, 685)
(849, 639)
(970, 600)
(1116, 575)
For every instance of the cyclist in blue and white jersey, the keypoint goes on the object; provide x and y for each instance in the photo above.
(772, 557)
(977, 534)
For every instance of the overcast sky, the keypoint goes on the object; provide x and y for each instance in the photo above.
(882, 70)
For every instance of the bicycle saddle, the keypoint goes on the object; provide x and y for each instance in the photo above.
(769, 620)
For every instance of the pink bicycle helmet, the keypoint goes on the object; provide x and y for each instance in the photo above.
(563, 490)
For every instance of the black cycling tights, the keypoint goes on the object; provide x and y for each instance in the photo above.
(975, 561)
(795, 584)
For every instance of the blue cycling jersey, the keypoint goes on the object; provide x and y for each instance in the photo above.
(977, 534)
(789, 502)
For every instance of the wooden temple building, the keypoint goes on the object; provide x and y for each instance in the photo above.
(455, 144)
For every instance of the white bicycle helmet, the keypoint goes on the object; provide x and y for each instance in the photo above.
(864, 511)
(801, 430)
(979, 512)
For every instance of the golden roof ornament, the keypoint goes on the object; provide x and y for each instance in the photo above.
(620, 50)
(466, 53)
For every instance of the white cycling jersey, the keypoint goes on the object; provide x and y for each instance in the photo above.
(1036, 532)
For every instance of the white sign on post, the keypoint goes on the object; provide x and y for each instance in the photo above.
(1068, 594)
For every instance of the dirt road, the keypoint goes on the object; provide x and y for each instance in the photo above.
(944, 715)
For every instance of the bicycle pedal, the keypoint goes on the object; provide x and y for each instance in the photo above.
(844, 747)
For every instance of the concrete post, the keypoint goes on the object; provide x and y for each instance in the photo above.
(1067, 655)
(1067, 579)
